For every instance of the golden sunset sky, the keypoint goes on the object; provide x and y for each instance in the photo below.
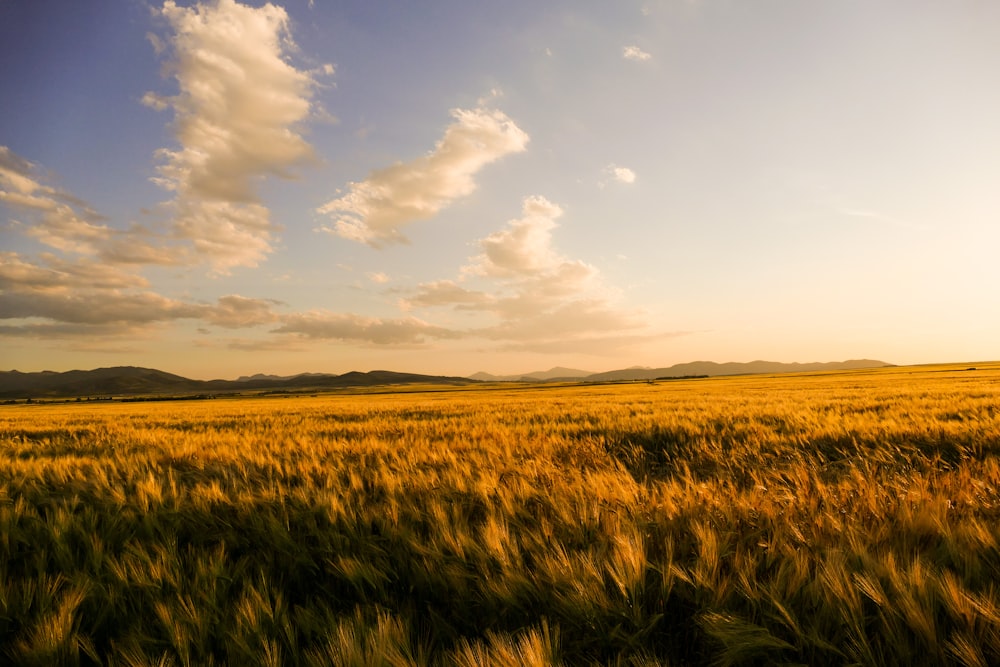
(222, 188)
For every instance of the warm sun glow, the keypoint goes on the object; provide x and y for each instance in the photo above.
(218, 188)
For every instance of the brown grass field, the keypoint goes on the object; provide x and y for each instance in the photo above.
(825, 519)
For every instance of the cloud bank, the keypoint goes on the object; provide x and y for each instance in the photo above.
(235, 118)
(374, 210)
(324, 325)
(60, 220)
(536, 296)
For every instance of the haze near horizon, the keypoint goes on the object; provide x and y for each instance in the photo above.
(219, 188)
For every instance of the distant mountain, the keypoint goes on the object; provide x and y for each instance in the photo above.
(712, 368)
(694, 368)
(555, 373)
(262, 376)
(102, 381)
(132, 381)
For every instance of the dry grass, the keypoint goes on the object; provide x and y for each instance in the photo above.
(844, 518)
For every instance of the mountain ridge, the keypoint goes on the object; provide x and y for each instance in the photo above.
(137, 381)
(712, 368)
(554, 373)
(694, 368)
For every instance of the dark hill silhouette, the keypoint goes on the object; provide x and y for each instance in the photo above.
(559, 373)
(691, 369)
(133, 381)
(711, 368)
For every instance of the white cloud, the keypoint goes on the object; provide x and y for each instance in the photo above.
(154, 101)
(72, 296)
(60, 220)
(229, 234)
(525, 247)
(63, 229)
(101, 296)
(635, 53)
(534, 293)
(16, 176)
(66, 223)
(237, 312)
(449, 293)
(94, 307)
(621, 174)
(616, 174)
(235, 115)
(374, 210)
(18, 274)
(325, 325)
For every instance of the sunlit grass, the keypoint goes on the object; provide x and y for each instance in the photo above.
(846, 518)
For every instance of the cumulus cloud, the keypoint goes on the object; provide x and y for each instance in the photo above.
(620, 174)
(83, 299)
(89, 297)
(374, 210)
(635, 53)
(449, 293)
(94, 307)
(616, 174)
(525, 246)
(235, 118)
(325, 325)
(239, 312)
(534, 293)
(16, 273)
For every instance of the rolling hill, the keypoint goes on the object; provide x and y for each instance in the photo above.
(133, 381)
(692, 369)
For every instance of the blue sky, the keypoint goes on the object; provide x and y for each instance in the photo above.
(222, 188)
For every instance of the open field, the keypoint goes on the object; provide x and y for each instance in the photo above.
(844, 518)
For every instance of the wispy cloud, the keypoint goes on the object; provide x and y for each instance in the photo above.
(533, 292)
(235, 118)
(97, 292)
(94, 307)
(325, 325)
(238, 312)
(448, 293)
(80, 299)
(17, 273)
(374, 210)
(877, 217)
(58, 219)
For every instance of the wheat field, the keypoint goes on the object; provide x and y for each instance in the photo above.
(826, 519)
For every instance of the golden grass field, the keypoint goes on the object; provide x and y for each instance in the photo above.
(826, 519)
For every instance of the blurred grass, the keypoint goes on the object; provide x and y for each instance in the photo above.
(844, 518)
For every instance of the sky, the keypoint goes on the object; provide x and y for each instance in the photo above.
(222, 188)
